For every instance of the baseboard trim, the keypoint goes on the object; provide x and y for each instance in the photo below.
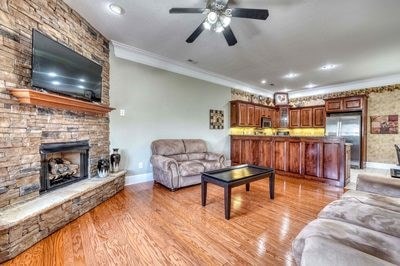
(137, 179)
(381, 165)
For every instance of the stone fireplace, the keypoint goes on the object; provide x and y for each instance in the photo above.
(63, 163)
(34, 137)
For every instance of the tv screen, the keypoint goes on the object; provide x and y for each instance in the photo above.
(57, 68)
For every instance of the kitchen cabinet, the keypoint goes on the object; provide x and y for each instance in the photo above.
(346, 104)
(265, 149)
(267, 112)
(323, 159)
(319, 116)
(250, 115)
(312, 161)
(280, 155)
(306, 117)
(236, 145)
(294, 118)
(294, 156)
(257, 115)
(275, 119)
(245, 114)
(239, 114)
(331, 161)
(283, 117)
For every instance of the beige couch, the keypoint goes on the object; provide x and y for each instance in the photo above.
(361, 228)
(179, 162)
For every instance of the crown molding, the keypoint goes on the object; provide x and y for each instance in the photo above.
(354, 85)
(147, 58)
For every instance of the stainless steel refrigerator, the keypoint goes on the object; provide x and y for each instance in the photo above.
(347, 126)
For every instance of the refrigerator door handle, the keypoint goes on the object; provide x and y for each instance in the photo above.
(337, 128)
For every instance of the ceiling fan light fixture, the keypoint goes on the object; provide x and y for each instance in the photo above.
(225, 21)
(219, 28)
(212, 17)
(207, 25)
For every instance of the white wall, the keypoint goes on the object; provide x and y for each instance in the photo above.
(160, 104)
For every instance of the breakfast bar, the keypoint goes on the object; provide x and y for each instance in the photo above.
(325, 159)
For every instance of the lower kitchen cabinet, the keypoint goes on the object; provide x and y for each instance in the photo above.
(317, 158)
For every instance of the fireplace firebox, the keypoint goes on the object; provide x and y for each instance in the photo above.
(63, 163)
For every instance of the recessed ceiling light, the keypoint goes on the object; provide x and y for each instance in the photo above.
(55, 82)
(286, 90)
(82, 80)
(52, 74)
(263, 81)
(328, 67)
(291, 75)
(81, 87)
(116, 9)
(310, 86)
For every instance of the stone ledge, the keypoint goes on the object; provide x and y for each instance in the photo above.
(24, 225)
(13, 215)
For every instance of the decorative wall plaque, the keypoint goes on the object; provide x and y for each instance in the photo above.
(216, 119)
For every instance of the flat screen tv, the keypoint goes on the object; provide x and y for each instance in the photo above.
(56, 68)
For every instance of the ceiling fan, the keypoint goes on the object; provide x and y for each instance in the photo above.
(218, 18)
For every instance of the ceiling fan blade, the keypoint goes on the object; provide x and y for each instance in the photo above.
(178, 10)
(196, 33)
(261, 14)
(229, 36)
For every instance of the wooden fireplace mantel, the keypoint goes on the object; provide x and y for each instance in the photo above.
(44, 99)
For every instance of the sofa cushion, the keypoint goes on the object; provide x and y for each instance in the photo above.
(352, 211)
(315, 253)
(210, 164)
(389, 203)
(179, 157)
(196, 156)
(195, 145)
(190, 168)
(383, 246)
(167, 147)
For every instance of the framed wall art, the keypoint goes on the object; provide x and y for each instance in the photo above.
(216, 119)
(385, 124)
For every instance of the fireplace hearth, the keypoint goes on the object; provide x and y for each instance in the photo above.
(63, 163)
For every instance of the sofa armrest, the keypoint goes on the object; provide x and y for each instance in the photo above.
(162, 162)
(379, 185)
(215, 156)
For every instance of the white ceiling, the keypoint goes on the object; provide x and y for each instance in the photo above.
(361, 36)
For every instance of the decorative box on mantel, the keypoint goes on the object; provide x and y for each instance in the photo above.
(45, 99)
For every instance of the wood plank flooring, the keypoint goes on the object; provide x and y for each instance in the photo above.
(146, 225)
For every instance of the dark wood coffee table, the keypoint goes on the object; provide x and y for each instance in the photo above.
(233, 177)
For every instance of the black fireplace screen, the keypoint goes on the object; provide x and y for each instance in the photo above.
(63, 163)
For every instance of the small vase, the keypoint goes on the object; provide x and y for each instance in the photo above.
(115, 158)
(103, 168)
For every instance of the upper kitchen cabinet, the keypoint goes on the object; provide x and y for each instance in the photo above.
(239, 114)
(283, 117)
(306, 117)
(257, 115)
(319, 116)
(245, 114)
(347, 104)
(294, 117)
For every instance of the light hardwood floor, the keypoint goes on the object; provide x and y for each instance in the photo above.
(146, 225)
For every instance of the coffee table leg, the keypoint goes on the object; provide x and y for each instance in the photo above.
(227, 200)
(248, 187)
(272, 186)
(203, 192)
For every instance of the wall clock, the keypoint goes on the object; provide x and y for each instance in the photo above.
(281, 98)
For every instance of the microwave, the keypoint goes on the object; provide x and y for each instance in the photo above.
(266, 122)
